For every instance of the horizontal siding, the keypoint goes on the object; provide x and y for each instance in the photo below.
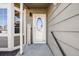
(16, 41)
(64, 22)
(52, 9)
(53, 45)
(70, 50)
(68, 12)
(3, 42)
(71, 24)
(69, 38)
(59, 10)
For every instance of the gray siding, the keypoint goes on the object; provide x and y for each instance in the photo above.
(17, 40)
(3, 42)
(64, 22)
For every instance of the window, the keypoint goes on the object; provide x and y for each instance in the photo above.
(17, 22)
(3, 20)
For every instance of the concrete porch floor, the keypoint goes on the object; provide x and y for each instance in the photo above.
(37, 50)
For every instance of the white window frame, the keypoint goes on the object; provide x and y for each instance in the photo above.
(9, 23)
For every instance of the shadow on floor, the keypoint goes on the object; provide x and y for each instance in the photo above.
(9, 53)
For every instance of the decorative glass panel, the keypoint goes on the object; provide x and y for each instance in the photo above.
(3, 20)
(39, 23)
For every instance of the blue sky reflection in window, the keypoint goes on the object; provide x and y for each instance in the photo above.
(3, 20)
(39, 24)
(17, 24)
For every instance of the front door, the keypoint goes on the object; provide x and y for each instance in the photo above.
(39, 28)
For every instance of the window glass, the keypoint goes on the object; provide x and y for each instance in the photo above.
(39, 23)
(17, 22)
(3, 20)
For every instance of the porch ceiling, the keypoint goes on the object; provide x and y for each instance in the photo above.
(37, 5)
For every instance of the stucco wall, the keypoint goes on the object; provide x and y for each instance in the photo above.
(63, 20)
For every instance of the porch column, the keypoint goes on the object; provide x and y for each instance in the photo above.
(21, 33)
(24, 26)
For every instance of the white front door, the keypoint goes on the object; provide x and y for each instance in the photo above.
(39, 28)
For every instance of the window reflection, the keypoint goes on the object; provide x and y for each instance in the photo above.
(17, 22)
(3, 20)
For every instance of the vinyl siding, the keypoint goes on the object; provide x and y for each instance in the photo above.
(64, 22)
